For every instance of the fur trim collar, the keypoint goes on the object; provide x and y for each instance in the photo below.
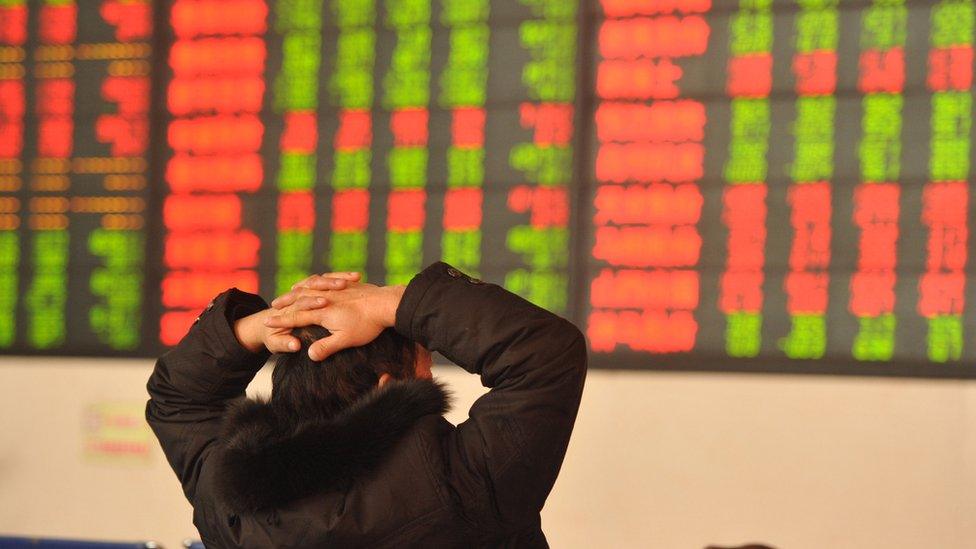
(266, 460)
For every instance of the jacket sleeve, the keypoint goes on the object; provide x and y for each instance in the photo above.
(192, 384)
(504, 459)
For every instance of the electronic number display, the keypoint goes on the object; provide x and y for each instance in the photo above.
(742, 185)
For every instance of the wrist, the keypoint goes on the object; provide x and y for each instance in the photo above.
(391, 301)
(250, 331)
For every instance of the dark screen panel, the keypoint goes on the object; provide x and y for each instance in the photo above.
(785, 203)
(74, 163)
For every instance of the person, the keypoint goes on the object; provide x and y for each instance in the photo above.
(352, 450)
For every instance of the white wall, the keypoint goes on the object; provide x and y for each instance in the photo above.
(657, 460)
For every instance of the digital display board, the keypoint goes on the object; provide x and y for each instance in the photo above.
(75, 86)
(744, 185)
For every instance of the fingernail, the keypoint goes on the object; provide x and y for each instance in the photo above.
(320, 301)
(293, 345)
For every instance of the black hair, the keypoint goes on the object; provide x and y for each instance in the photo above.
(310, 388)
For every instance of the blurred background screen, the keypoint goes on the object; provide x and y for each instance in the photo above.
(700, 185)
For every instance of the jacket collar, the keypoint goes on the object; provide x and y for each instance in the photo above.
(266, 459)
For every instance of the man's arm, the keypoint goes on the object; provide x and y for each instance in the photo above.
(192, 384)
(507, 455)
(212, 365)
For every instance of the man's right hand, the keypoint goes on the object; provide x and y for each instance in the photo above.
(355, 315)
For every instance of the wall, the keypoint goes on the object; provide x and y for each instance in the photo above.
(657, 460)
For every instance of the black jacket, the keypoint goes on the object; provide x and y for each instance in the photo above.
(390, 471)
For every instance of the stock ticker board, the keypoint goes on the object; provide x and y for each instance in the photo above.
(745, 185)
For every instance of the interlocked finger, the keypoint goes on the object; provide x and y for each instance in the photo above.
(327, 346)
(327, 281)
(309, 302)
(294, 319)
(283, 343)
(285, 300)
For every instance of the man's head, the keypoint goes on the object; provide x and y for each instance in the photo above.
(325, 423)
(309, 388)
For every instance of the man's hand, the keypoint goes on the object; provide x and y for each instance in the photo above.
(323, 282)
(355, 315)
(255, 336)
